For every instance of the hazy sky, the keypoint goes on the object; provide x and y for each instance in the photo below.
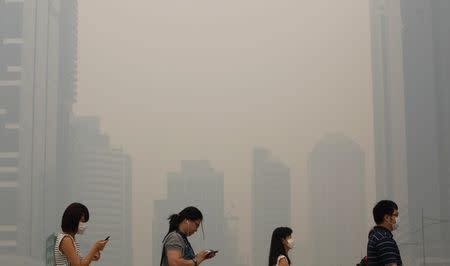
(174, 80)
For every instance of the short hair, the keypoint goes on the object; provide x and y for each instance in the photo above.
(382, 208)
(72, 216)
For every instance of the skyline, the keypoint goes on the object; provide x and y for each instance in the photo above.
(351, 99)
(211, 81)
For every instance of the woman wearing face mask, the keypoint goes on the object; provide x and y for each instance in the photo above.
(280, 244)
(67, 249)
(177, 251)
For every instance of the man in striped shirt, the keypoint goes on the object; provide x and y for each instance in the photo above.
(382, 250)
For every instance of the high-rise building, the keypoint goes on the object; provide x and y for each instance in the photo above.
(422, 125)
(389, 113)
(271, 201)
(38, 199)
(67, 90)
(441, 39)
(411, 65)
(427, 104)
(31, 119)
(11, 21)
(101, 179)
(388, 95)
(337, 206)
(197, 184)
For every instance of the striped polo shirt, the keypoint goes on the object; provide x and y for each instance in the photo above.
(382, 249)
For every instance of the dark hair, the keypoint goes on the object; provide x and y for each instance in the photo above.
(382, 208)
(276, 245)
(190, 213)
(72, 216)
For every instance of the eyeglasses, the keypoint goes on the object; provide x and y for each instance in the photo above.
(197, 224)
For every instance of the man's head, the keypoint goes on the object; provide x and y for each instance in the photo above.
(385, 213)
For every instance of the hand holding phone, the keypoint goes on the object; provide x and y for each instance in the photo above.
(211, 253)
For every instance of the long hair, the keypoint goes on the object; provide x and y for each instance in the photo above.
(276, 245)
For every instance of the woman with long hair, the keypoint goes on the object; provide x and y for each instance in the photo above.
(280, 245)
(177, 251)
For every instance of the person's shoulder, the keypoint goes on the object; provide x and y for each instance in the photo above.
(61, 235)
(174, 241)
(64, 237)
(379, 234)
(173, 237)
(281, 258)
(174, 234)
(66, 241)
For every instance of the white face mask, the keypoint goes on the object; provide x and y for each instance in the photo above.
(397, 223)
(291, 243)
(81, 228)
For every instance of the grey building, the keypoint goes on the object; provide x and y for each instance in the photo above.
(389, 114)
(101, 178)
(337, 210)
(411, 66)
(271, 201)
(11, 23)
(66, 96)
(388, 95)
(196, 184)
(31, 119)
(427, 104)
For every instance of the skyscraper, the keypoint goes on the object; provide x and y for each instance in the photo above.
(388, 95)
(30, 97)
(11, 14)
(422, 125)
(67, 90)
(389, 112)
(441, 39)
(336, 168)
(197, 184)
(413, 57)
(427, 104)
(101, 179)
(271, 201)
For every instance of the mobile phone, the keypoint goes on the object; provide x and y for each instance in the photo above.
(212, 252)
(107, 238)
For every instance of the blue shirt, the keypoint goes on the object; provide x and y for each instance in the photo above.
(382, 249)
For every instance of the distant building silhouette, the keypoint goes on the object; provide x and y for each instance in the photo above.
(389, 113)
(196, 184)
(37, 85)
(10, 85)
(412, 102)
(271, 201)
(100, 177)
(338, 212)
